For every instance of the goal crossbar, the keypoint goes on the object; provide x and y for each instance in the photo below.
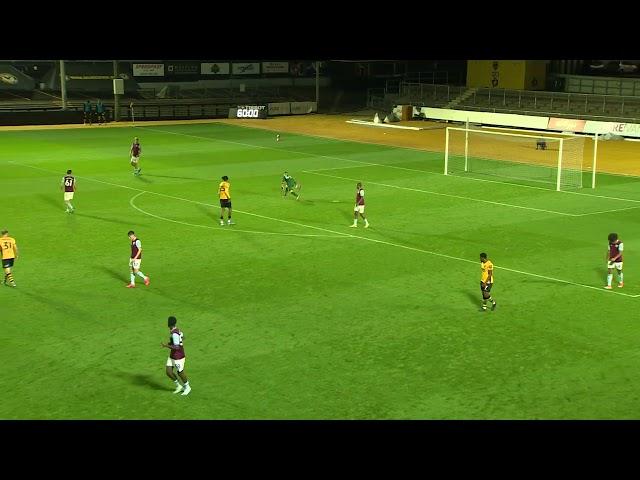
(564, 167)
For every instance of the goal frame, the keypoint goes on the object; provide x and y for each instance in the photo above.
(522, 135)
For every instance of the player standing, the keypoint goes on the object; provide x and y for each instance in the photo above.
(100, 112)
(176, 357)
(87, 112)
(486, 281)
(359, 208)
(68, 186)
(136, 150)
(9, 254)
(289, 184)
(224, 192)
(614, 260)
(136, 260)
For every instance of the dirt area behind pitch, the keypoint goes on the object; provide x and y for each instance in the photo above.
(622, 157)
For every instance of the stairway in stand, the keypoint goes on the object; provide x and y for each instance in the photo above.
(461, 98)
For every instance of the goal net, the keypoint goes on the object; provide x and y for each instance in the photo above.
(555, 161)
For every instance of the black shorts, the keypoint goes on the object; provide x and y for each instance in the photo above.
(488, 289)
(225, 203)
(7, 262)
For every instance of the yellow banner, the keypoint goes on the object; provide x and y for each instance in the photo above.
(510, 74)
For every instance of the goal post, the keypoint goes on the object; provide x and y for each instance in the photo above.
(553, 160)
(594, 161)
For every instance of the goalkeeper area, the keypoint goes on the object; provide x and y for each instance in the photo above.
(554, 160)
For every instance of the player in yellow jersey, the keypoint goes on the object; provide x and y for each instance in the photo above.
(486, 281)
(224, 192)
(9, 254)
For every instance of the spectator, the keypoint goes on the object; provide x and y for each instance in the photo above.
(100, 112)
(87, 112)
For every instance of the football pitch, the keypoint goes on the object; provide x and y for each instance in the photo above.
(291, 314)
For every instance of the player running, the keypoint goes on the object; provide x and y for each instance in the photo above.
(136, 150)
(68, 186)
(359, 208)
(136, 260)
(9, 254)
(486, 281)
(176, 358)
(614, 260)
(288, 184)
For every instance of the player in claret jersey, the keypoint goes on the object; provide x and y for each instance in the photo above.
(359, 208)
(68, 186)
(136, 150)
(614, 260)
(176, 358)
(136, 260)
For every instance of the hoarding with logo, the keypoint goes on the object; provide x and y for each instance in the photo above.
(148, 69)
(214, 68)
(252, 68)
(275, 67)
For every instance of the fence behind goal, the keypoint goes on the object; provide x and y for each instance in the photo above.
(556, 161)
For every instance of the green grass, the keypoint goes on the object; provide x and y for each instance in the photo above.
(351, 324)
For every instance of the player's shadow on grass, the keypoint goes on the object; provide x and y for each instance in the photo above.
(144, 380)
(110, 220)
(113, 273)
(211, 212)
(348, 216)
(205, 304)
(473, 299)
(144, 178)
(59, 205)
(65, 308)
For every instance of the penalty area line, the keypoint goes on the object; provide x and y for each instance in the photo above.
(406, 247)
(546, 189)
(258, 232)
(460, 197)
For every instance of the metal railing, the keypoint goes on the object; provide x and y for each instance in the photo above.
(514, 101)
(433, 77)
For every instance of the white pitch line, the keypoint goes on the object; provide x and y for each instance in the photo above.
(338, 168)
(467, 198)
(448, 195)
(417, 149)
(387, 166)
(503, 268)
(184, 199)
(353, 236)
(607, 211)
(132, 203)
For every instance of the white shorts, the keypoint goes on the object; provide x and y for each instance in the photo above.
(359, 208)
(616, 265)
(135, 263)
(68, 196)
(179, 364)
(135, 159)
